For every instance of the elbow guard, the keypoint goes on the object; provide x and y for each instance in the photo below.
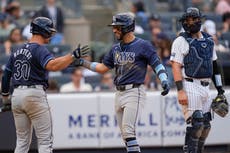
(159, 69)
(216, 77)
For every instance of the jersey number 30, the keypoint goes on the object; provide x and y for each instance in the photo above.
(22, 69)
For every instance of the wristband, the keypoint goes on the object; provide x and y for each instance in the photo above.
(5, 94)
(93, 66)
(179, 85)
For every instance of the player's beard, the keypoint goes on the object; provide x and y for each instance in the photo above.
(120, 37)
(47, 40)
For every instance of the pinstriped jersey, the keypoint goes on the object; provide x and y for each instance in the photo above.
(130, 61)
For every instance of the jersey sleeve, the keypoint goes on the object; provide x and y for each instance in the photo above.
(9, 65)
(180, 48)
(108, 59)
(150, 54)
(214, 56)
(44, 56)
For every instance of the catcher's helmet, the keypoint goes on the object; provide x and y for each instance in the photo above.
(125, 20)
(42, 26)
(194, 13)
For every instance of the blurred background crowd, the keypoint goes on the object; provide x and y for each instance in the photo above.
(85, 21)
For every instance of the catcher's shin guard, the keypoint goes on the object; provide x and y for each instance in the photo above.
(194, 132)
(187, 139)
(205, 132)
(132, 146)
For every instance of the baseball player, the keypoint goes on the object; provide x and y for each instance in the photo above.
(194, 65)
(28, 69)
(130, 58)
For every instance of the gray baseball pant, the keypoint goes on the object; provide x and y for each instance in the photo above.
(31, 110)
(128, 106)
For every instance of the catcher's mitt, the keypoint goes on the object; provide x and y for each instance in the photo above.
(220, 105)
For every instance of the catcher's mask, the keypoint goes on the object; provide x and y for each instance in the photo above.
(196, 15)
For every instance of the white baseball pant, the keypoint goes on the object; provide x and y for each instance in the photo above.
(198, 98)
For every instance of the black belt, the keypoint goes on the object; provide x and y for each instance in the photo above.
(203, 83)
(126, 87)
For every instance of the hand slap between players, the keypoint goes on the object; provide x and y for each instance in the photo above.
(80, 52)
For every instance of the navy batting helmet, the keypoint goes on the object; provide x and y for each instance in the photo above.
(125, 20)
(194, 13)
(42, 26)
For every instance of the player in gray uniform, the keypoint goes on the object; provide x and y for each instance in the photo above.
(194, 66)
(28, 68)
(130, 58)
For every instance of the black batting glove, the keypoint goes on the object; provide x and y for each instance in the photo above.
(220, 90)
(6, 100)
(80, 52)
(6, 107)
(166, 88)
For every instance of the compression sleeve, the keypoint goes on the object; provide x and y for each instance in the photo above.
(216, 77)
(6, 82)
(160, 70)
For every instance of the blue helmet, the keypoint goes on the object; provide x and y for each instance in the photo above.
(42, 26)
(125, 20)
(194, 13)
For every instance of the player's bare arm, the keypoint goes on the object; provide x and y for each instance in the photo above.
(59, 63)
(182, 97)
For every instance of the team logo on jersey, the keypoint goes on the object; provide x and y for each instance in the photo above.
(204, 45)
(122, 58)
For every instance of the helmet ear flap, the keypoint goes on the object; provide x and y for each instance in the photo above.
(129, 28)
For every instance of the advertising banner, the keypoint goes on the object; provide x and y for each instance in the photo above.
(88, 120)
(109, 129)
(173, 124)
(75, 120)
(149, 126)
